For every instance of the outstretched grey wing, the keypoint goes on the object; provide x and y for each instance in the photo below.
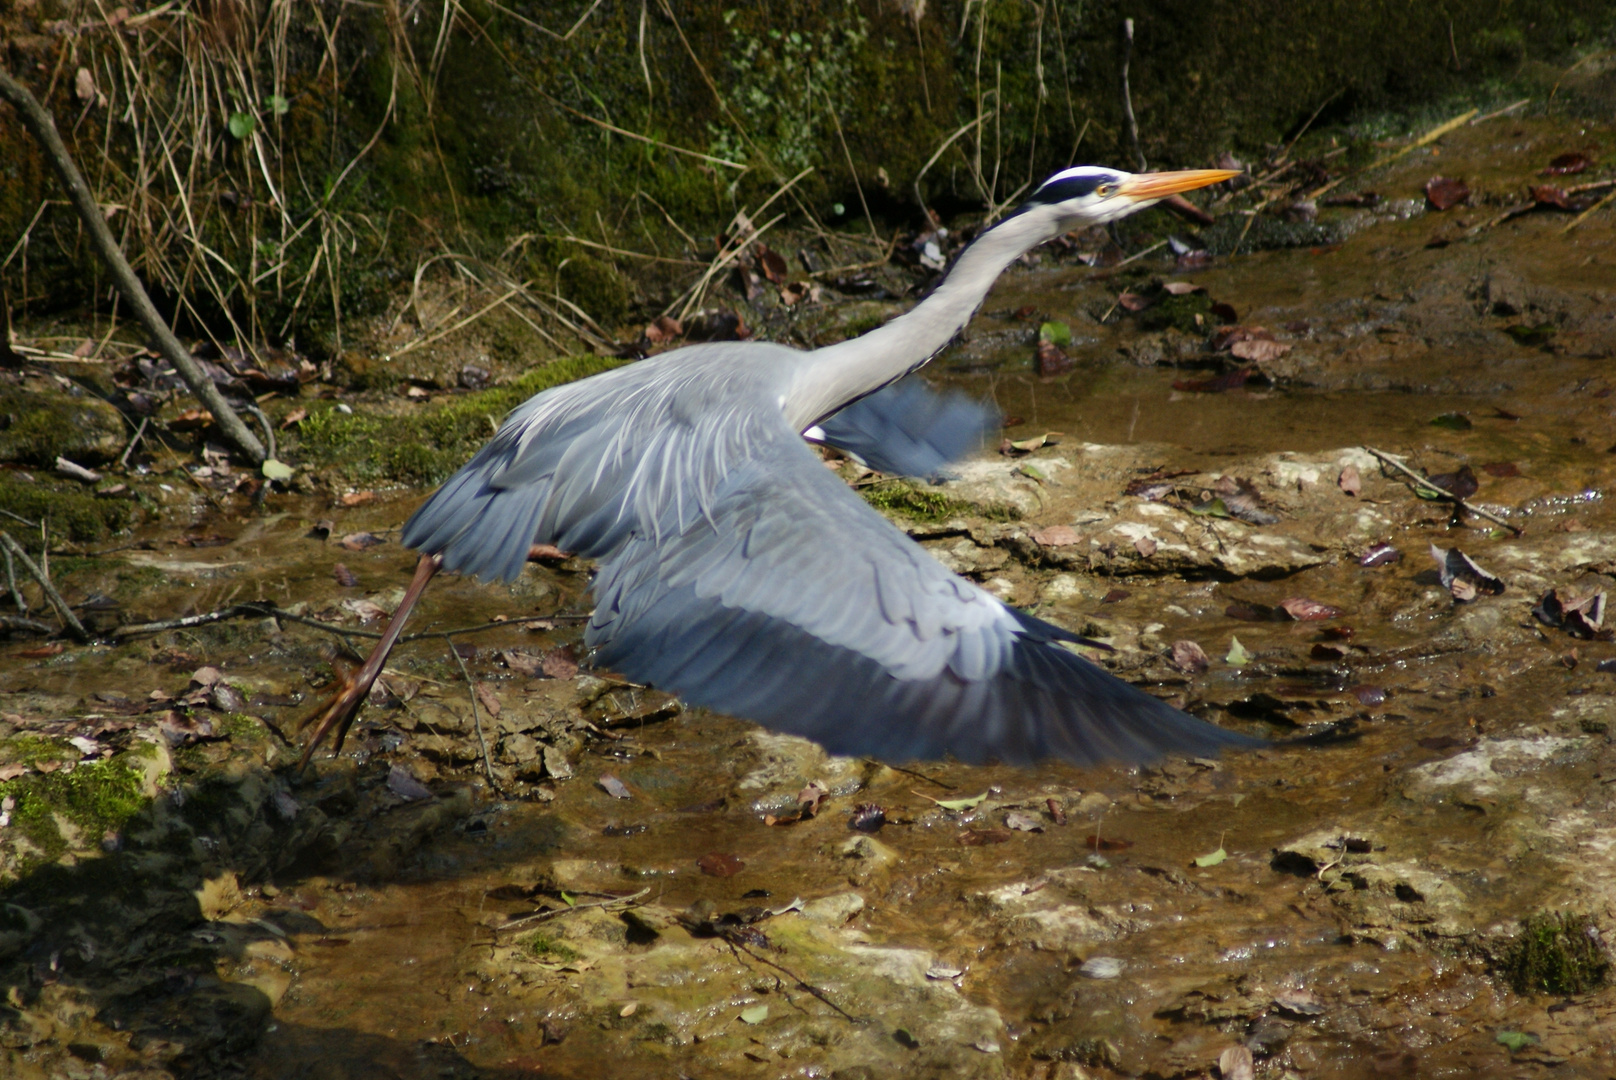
(910, 429)
(794, 604)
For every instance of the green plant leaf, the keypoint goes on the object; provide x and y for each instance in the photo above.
(1212, 858)
(274, 469)
(755, 1015)
(1057, 333)
(1211, 508)
(242, 124)
(1453, 421)
(278, 105)
(1516, 1040)
(1237, 656)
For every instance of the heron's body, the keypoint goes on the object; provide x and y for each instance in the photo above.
(740, 573)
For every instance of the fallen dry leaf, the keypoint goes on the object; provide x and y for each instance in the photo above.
(981, 837)
(42, 652)
(359, 541)
(521, 662)
(345, 577)
(1350, 481)
(1259, 351)
(1145, 546)
(1304, 610)
(720, 864)
(485, 694)
(1055, 536)
(1132, 301)
(1021, 822)
(1189, 657)
(1568, 164)
(405, 786)
(295, 417)
(1462, 577)
(1051, 361)
(614, 787)
(1444, 193)
(559, 664)
(357, 498)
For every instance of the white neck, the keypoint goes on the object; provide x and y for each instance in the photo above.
(834, 376)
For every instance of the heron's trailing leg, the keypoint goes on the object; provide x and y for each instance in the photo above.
(343, 708)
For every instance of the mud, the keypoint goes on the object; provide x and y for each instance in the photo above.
(1349, 905)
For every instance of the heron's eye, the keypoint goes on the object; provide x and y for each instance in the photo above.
(1105, 191)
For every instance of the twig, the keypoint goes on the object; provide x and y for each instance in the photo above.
(542, 916)
(1139, 254)
(1442, 493)
(468, 320)
(1580, 218)
(944, 145)
(1127, 97)
(476, 716)
(66, 613)
(625, 133)
(43, 128)
(802, 984)
(11, 581)
(1500, 112)
(134, 441)
(1429, 137)
(12, 623)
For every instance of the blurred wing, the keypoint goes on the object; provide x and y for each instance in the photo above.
(794, 604)
(910, 429)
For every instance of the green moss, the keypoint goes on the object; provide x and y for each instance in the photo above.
(1179, 313)
(424, 448)
(95, 798)
(541, 946)
(1557, 953)
(71, 513)
(910, 500)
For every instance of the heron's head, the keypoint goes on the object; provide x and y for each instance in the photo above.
(1091, 195)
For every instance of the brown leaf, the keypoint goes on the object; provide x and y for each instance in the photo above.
(345, 577)
(1132, 301)
(1181, 288)
(1299, 1002)
(1055, 536)
(295, 417)
(357, 498)
(1189, 657)
(559, 664)
(485, 694)
(1115, 596)
(1056, 811)
(521, 662)
(84, 85)
(663, 328)
(720, 864)
(1051, 361)
(1304, 610)
(359, 541)
(1501, 468)
(1444, 193)
(1021, 822)
(981, 837)
(1259, 351)
(1461, 484)
(773, 264)
(614, 787)
(364, 610)
(546, 552)
(1550, 196)
(1462, 577)
(405, 786)
(1226, 337)
(1145, 546)
(809, 798)
(1108, 843)
(227, 698)
(1380, 555)
(206, 676)
(1568, 164)
(1349, 481)
(42, 652)
(11, 772)
(191, 420)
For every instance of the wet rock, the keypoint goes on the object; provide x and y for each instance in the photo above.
(834, 910)
(778, 767)
(1494, 767)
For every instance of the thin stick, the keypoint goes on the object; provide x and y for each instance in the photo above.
(11, 581)
(66, 613)
(1441, 493)
(868, 220)
(1500, 112)
(476, 716)
(1580, 218)
(944, 145)
(1127, 98)
(469, 319)
(134, 441)
(1140, 254)
(258, 609)
(43, 128)
(542, 916)
(637, 137)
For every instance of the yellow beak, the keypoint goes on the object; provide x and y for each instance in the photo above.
(1142, 187)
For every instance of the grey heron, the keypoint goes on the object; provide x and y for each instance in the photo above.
(736, 571)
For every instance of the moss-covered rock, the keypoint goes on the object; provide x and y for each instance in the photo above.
(69, 509)
(40, 421)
